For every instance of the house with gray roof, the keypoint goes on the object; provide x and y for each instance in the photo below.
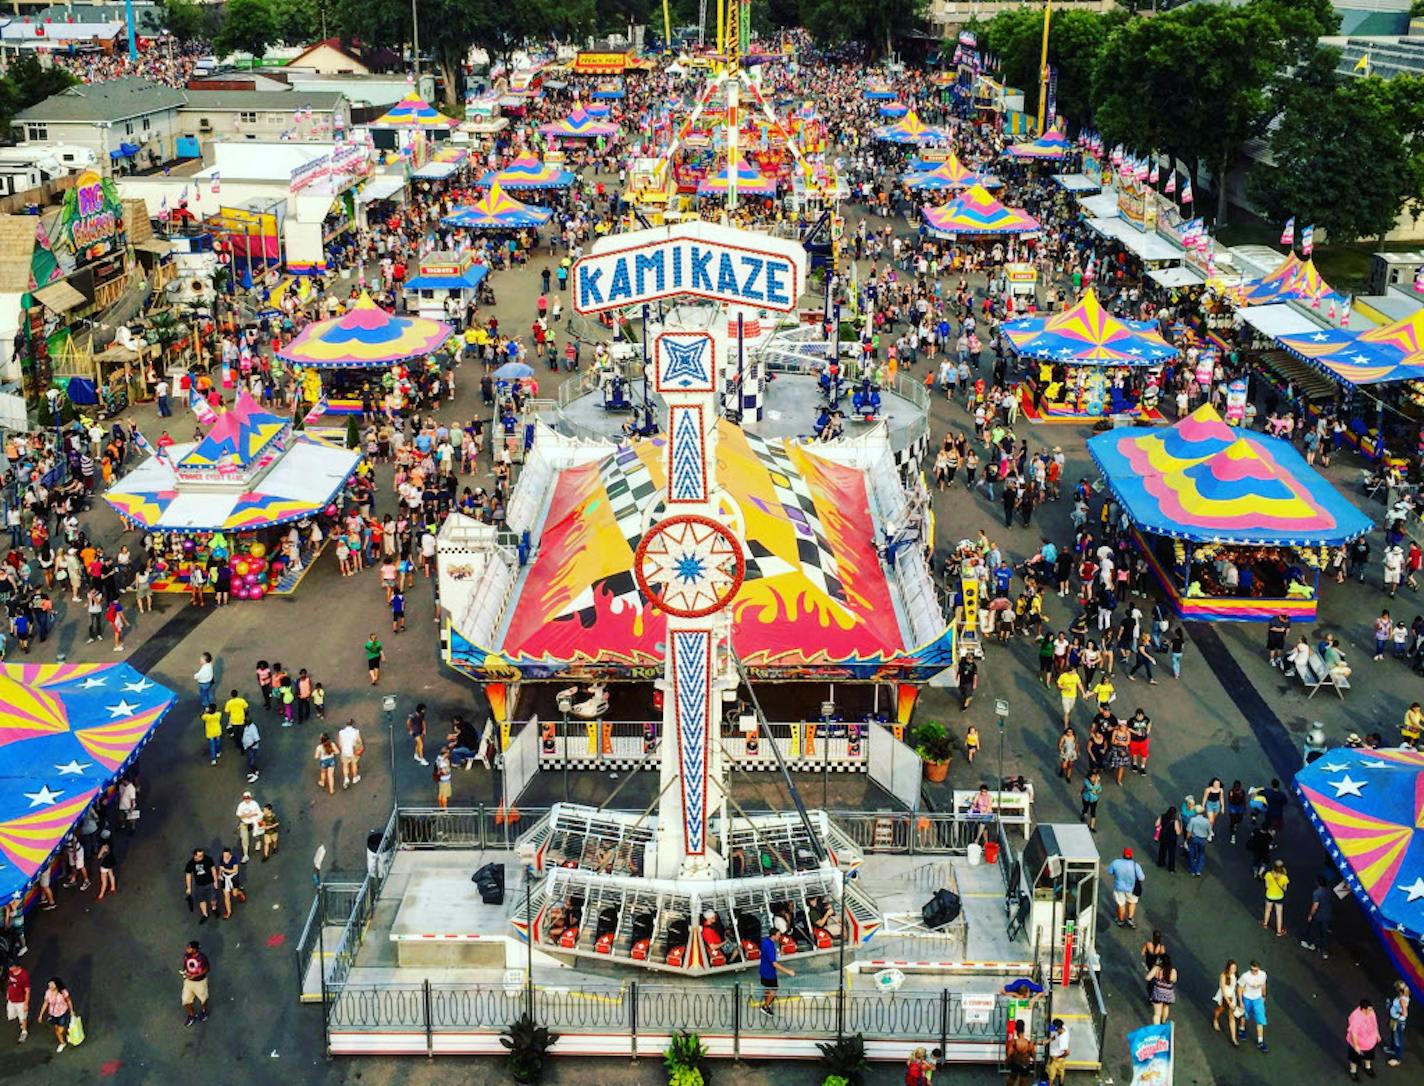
(128, 122)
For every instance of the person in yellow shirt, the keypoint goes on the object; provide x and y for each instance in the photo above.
(236, 710)
(1413, 726)
(1276, 882)
(1105, 692)
(1070, 686)
(212, 732)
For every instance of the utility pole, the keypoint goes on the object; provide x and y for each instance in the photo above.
(1042, 68)
(415, 46)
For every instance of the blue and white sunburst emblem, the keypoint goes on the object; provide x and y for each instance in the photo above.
(690, 568)
(687, 363)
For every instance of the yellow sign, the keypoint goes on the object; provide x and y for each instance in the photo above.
(1021, 273)
(970, 587)
(600, 63)
(593, 737)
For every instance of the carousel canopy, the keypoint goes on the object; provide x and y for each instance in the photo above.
(497, 210)
(1088, 334)
(238, 437)
(365, 336)
(1295, 280)
(1052, 144)
(949, 174)
(894, 109)
(579, 125)
(749, 181)
(302, 479)
(910, 129)
(1205, 481)
(1367, 806)
(413, 111)
(1391, 352)
(528, 172)
(67, 731)
(974, 211)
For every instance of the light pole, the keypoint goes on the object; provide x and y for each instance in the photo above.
(565, 704)
(1001, 714)
(388, 703)
(317, 860)
(529, 945)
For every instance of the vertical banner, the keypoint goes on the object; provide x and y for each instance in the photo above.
(607, 739)
(592, 737)
(1150, 1049)
(970, 588)
(809, 747)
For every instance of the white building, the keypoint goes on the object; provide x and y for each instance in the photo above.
(127, 122)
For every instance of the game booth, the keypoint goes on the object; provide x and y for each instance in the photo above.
(528, 171)
(1364, 805)
(225, 499)
(497, 211)
(909, 130)
(1090, 364)
(361, 356)
(1235, 525)
(70, 732)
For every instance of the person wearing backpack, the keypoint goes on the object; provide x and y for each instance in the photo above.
(195, 983)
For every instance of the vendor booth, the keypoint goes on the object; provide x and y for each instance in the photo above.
(949, 174)
(528, 172)
(911, 131)
(1235, 526)
(975, 213)
(497, 210)
(445, 282)
(1364, 805)
(1050, 146)
(220, 501)
(579, 125)
(71, 731)
(1091, 364)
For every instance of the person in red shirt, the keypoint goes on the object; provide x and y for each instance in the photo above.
(17, 998)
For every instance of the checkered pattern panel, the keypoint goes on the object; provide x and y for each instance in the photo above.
(817, 560)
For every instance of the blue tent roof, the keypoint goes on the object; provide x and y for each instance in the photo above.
(473, 276)
(1366, 806)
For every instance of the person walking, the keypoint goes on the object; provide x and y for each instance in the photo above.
(1362, 1036)
(1070, 688)
(1198, 834)
(1317, 920)
(1277, 880)
(415, 725)
(1251, 986)
(1398, 1018)
(195, 972)
(58, 1011)
(768, 967)
(204, 678)
(1228, 1002)
(1126, 875)
(348, 742)
(1022, 1056)
(251, 740)
(1169, 837)
(212, 732)
(17, 998)
(1162, 988)
(249, 823)
(270, 828)
(325, 757)
(375, 653)
(1143, 659)
(1090, 794)
(441, 772)
(229, 876)
(1139, 724)
(199, 883)
(1056, 1069)
(104, 858)
(1067, 753)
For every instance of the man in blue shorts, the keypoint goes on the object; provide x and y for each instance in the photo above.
(769, 967)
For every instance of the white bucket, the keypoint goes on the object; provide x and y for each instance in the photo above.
(976, 855)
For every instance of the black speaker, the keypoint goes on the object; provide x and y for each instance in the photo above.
(941, 909)
(489, 880)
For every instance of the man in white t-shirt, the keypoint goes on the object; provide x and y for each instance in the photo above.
(348, 742)
(1252, 986)
(249, 821)
(1057, 1069)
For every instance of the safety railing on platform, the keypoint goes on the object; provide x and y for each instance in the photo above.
(657, 1010)
(915, 833)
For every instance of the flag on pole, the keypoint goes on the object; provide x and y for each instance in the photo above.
(1186, 190)
(1288, 234)
(1156, 174)
(206, 415)
(1171, 185)
(1307, 241)
(142, 443)
(1345, 314)
(1363, 64)
(1419, 280)
(317, 411)
(217, 183)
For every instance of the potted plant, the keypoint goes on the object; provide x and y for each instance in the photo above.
(686, 1060)
(528, 1044)
(843, 1061)
(935, 747)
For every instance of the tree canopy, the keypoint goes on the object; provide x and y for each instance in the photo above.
(1074, 43)
(876, 24)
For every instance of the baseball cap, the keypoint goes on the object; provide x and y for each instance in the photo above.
(1127, 854)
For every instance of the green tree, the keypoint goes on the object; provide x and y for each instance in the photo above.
(1336, 136)
(298, 21)
(33, 82)
(185, 19)
(249, 26)
(1075, 40)
(877, 24)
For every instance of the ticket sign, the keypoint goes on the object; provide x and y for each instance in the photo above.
(696, 259)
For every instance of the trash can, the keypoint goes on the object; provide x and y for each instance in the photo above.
(976, 855)
(378, 859)
(991, 852)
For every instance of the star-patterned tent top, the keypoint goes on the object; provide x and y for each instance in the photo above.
(66, 732)
(415, 112)
(497, 210)
(1391, 352)
(1294, 280)
(580, 124)
(949, 174)
(910, 129)
(1087, 334)
(364, 336)
(1368, 808)
(974, 211)
(1205, 481)
(237, 438)
(528, 172)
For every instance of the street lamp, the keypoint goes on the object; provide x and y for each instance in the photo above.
(388, 703)
(1001, 715)
(566, 703)
(317, 861)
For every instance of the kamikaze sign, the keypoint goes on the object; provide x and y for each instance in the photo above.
(699, 260)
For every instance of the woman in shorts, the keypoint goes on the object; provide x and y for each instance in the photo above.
(325, 756)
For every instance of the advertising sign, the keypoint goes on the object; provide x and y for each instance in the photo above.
(1150, 1049)
(91, 217)
(697, 259)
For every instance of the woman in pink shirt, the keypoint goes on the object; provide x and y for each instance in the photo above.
(59, 1010)
(1362, 1035)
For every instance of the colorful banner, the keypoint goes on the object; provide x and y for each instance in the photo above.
(1150, 1049)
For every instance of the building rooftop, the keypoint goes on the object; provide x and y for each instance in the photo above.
(376, 58)
(220, 100)
(114, 100)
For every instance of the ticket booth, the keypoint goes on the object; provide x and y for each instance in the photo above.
(1060, 866)
(444, 276)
